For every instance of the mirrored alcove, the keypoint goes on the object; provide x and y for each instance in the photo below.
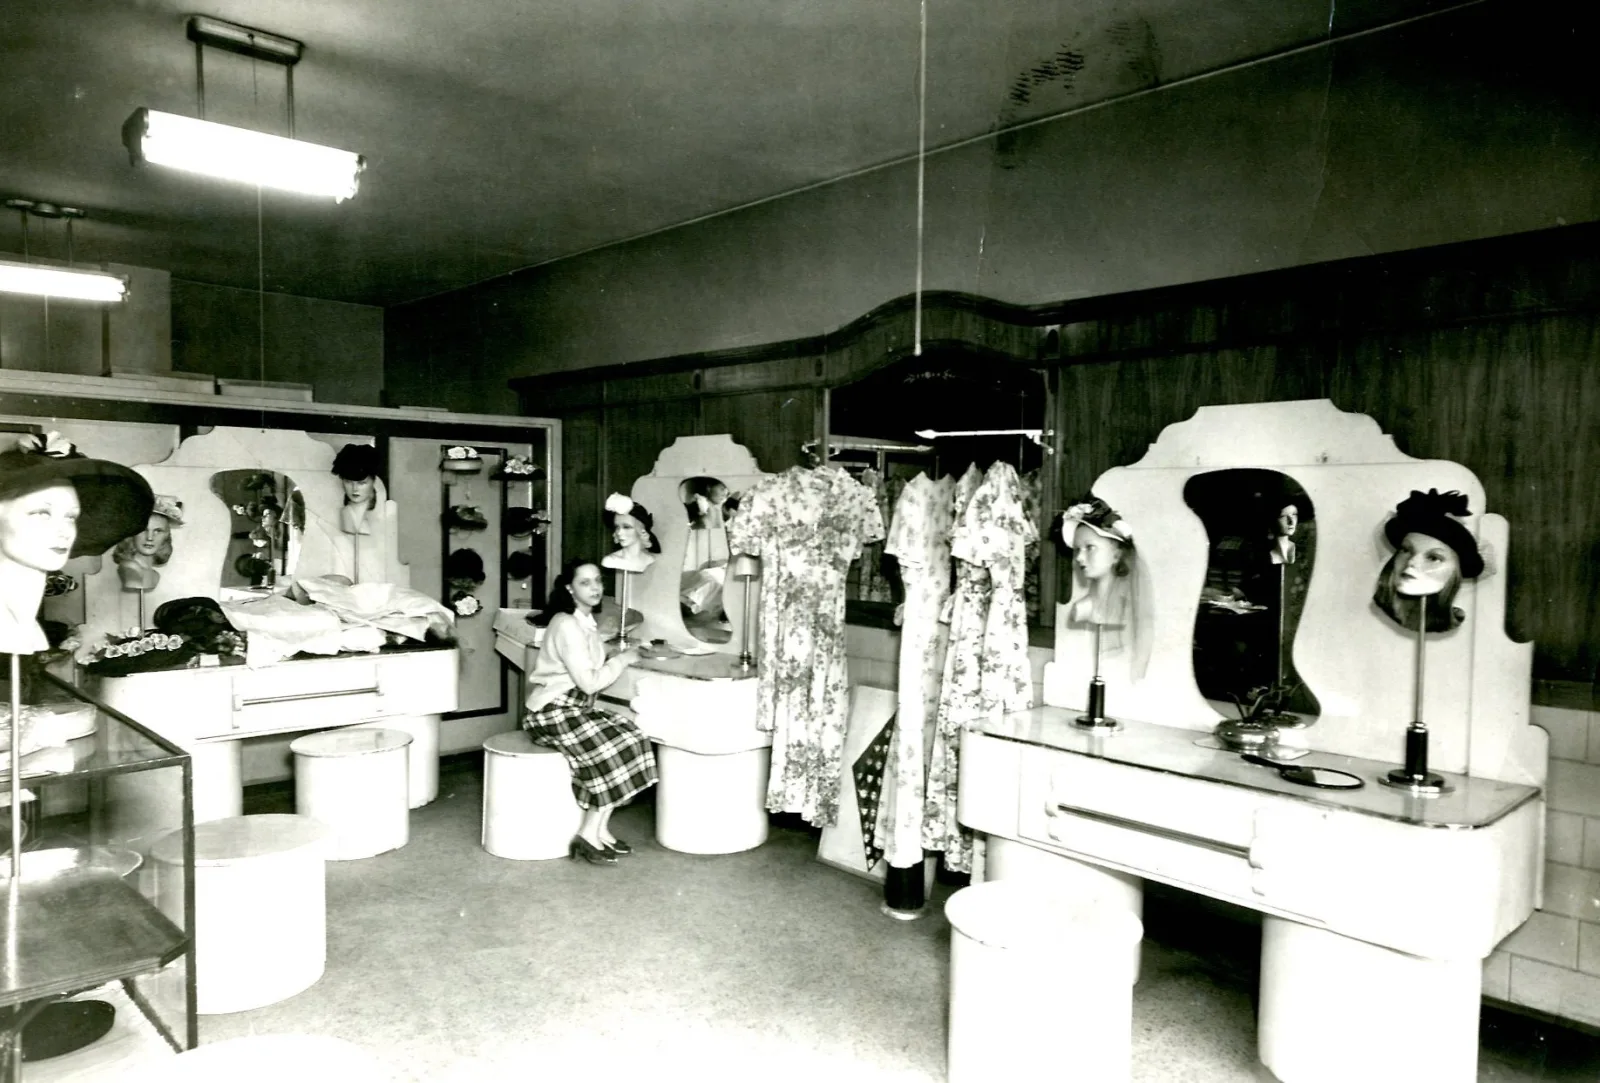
(1261, 550)
(268, 522)
(949, 390)
(707, 502)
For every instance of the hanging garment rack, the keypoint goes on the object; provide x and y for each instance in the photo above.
(837, 444)
(1038, 436)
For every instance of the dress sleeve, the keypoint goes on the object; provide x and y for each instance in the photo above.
(748, 526)
(574, 650)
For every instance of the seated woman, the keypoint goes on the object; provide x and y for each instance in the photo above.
(610, 759)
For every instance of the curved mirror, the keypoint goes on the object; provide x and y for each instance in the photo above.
(1262, 548)
(269, 517)
(708, 505)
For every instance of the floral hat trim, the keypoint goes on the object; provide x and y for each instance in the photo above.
(1099, 517)
(519, 467)
(168, 507)
(461, 453)
(617, 504)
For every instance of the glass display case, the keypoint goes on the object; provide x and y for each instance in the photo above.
(99, 908)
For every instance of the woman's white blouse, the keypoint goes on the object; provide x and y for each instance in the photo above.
(571, 656)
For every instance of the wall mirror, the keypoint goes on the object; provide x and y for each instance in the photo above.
(268, 525)
(1261, 549)
(948, 389)
(707, 502)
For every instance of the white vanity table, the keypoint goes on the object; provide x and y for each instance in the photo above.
(209, 712)
(1378, 905)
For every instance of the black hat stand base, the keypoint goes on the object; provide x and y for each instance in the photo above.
(1095, 717)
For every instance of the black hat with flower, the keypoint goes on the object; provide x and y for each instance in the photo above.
(1437, 515)
(1099, 517)
(618, 504)
(115, 501)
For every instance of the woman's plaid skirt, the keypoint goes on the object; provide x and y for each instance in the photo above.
(610, 759)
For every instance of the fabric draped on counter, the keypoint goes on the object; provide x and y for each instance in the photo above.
(986, 664)
(807, 526)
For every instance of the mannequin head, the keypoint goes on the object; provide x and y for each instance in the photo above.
(357, 467)
(38, 528)
(1287, 521)
(1096, 556)
(1102, 563)
(632, 531)
(1433, 553)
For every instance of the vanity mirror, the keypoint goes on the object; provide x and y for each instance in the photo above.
(1261, 549)
(268, 522)
(707, 502)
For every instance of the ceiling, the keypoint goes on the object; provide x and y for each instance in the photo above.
(502, 134)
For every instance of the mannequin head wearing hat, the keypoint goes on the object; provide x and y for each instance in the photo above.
(356, 466)
(631, 529)
(138, 556)
(1434, 552)
(56, 504)
(1102, 562)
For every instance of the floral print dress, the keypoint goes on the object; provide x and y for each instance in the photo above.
(986, 666)
(919, 538)
(806, 526)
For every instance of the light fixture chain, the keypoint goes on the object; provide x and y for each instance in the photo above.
(922, 154)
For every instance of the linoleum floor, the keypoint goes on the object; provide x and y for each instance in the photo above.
(451, 965)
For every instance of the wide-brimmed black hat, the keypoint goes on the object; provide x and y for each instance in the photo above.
(465, 517)
(115, 501)
(521, 522)
(1434, 513)
(356, 462)
(198, 619)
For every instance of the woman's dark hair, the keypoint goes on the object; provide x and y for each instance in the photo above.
(561, 599)
(644, 519)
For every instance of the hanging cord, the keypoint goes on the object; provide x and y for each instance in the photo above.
(261, 274)
(922, 155)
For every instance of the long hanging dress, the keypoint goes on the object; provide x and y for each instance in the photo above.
(806, 526)
(919, 538)
(986, 665)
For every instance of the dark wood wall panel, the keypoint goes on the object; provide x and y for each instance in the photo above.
(582, 494)
(635, 435)
(1515, 401)
(772, 424)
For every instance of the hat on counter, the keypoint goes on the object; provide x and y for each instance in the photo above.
(520, 564)
(115, 501)
(199, 620)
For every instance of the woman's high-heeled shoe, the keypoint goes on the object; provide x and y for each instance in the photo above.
(580, 848)
(617, 846)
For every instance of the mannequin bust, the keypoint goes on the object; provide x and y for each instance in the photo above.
(1102, 563)
(138, 557)
(56, 504)
(631, 527)
(1283, 548)
(357, 467)
(1434, 552)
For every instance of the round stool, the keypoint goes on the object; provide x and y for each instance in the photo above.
(356, 782)
(422, 758)
(266, 1058)
(260, 907)
(1038, 976)
(711, 804)
(529, 812)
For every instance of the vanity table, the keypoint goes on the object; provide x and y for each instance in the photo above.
(700, 711)
(209, 711)
(1378, 904)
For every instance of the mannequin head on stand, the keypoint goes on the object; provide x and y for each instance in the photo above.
(1434, 552)
(137, 557)
(56, 504)
(631, 529)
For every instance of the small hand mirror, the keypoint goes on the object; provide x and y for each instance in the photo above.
(1322, 778)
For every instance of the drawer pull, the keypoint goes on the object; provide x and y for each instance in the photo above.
(241, 702)
(1159, 832)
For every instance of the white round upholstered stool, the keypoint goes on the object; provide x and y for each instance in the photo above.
(422, 756)
(529, 812)
(260, 907)
(266, 1058)
(1039, 976)
(356, 781)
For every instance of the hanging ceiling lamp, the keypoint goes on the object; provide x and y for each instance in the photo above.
(242, 154)
(57, 283)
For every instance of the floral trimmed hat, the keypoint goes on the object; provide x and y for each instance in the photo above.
(1099, 517)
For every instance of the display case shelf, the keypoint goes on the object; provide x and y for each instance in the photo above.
(83, 913)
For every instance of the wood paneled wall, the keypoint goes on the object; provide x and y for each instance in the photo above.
(1482, 353)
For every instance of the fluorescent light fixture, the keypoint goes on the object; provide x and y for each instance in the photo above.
(31, 278)
(240, 154)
